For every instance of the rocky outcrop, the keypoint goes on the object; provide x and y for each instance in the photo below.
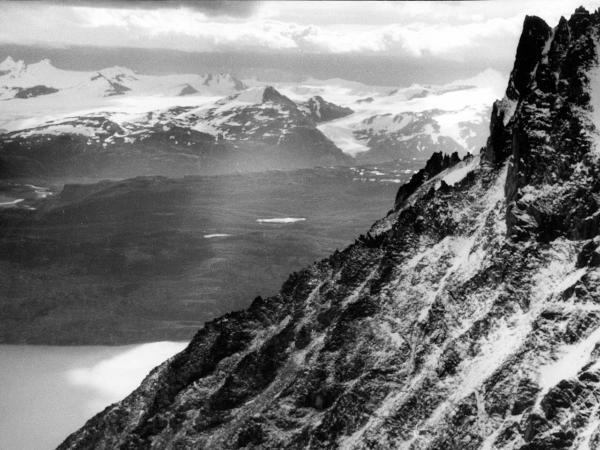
(436, 164)
(469, 319)
(550, 133)
(187, 89)
(34, 91)
(223, 78)
(321, 110)
(270, 94)
(534, 38)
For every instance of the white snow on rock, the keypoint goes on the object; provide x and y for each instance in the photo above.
(341, 132)
(62, 129)
(508, 107)
(282, 220)
(252, 96)
(11, 66)
(570, 361)
(460, 171)
(594, 77)
(451, 106)
(11, 203)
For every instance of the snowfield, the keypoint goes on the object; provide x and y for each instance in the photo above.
(453, 105)
(282, 220)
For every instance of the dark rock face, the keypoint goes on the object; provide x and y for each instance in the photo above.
(321, 110)
(114, 86)
(467, 319)
(188, 89)
(270, 94)
(35, 91)
(436, 164)
(549, 133)
(499, 143)
(529, 51)
(237, 84)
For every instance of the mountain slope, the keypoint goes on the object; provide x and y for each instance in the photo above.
(467, 318)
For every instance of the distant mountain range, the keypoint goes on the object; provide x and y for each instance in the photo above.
(116, 123)
(410, 122)
(17, 77)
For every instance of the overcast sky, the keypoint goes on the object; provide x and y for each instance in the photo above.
(438, 35)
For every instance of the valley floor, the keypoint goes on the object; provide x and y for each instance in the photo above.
(153, 258)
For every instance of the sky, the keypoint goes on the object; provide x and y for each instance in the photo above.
(374, 42)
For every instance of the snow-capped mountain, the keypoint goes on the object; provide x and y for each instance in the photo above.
(375, 124)
(255, 129)
(405, 123)
(17, 77)
(467, 318)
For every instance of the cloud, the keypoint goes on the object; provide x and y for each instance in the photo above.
(449, 30)
(112, 379)
(194, 30)
(209, 7)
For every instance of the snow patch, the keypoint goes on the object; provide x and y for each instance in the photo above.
(11, 203)
(341, 133)
(57, 130)
(460, 171)
(252, 96)
(594, 77)
(572, 358)
(282, 220)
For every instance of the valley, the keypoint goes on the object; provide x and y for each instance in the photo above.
(153, 258)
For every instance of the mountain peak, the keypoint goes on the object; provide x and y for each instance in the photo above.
(10, 65)
(223, 80)
(260, 94)
(42, 63)
(547, 127)
(270, 94)
(532, 42)
(581, 11)
(320, 110)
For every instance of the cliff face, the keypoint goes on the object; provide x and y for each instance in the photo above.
(468, 318)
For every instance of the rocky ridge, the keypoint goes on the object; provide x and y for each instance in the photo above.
(468, 318)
